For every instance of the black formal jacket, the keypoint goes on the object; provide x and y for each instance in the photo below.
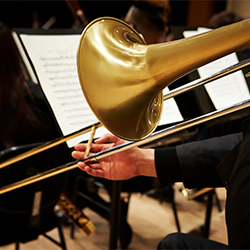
(195, 163)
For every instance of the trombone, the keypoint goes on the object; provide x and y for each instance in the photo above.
(128, 145)
(125, 77)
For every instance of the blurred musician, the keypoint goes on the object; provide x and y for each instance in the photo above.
(80, 18)
(87, 11)
(36, 14)
(223, 18)
(24, 113)
(151, 19)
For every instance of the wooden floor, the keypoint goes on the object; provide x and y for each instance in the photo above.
(149, 220)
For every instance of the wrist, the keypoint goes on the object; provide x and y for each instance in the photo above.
(146, 163)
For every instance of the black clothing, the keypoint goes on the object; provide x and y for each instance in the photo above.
(238, 184)
(48, 129)
(44, 114)
(178, 241)
(46, 132)
(18, 221)
(194, 163)
(222, 161)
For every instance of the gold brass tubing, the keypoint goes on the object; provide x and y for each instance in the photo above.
(130, 144)
(37, 177)
(155, 136)
(191, 195)
(47, 145)
(90, 141)
(202, 81)
(171, 130)
(173, 93)
(122, 78)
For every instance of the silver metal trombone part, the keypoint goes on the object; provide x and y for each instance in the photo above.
(185, 88)
(155, 136)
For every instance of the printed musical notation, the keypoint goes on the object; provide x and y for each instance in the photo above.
(54, 59)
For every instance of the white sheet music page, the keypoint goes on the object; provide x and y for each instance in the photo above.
(54, 59)
(170, 112)
(227, 90)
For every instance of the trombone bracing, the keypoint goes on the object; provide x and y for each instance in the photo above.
(155, 136)
(116, 48)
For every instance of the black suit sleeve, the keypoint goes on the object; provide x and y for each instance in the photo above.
(194, 163)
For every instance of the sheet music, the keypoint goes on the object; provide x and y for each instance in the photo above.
(227, 90)
(171, 112)
(54, 59)
(24, 58)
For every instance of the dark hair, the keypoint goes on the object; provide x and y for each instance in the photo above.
(15, 115)
(158, 12)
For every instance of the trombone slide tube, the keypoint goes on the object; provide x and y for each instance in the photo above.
(171, 130)
(157, 135)
(48, 145)
(205, 80)
(38, 177)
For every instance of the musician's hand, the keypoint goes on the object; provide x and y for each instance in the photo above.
(121, 166)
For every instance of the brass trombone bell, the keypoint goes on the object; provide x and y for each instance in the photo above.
(122, 78)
